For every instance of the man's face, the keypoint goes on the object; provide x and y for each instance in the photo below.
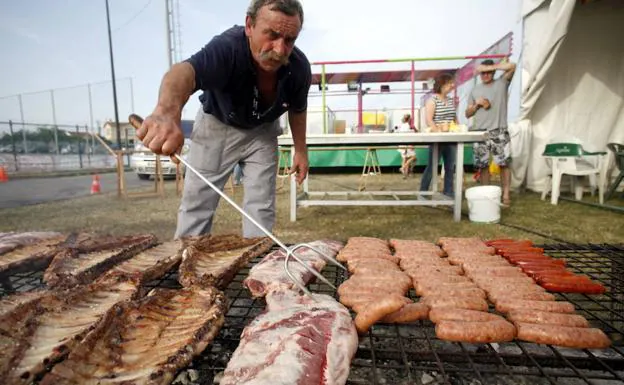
(487, 77)
(272, 38)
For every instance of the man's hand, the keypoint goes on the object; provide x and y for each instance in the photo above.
(300, 166)
(483, 102)
(162, 134)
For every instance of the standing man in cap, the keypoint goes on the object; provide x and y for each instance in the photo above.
(488, 104)
(249, 76)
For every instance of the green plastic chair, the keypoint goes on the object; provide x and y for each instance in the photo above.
(572, 159)
(618, 151)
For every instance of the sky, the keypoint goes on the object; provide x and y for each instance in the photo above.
(63, 46)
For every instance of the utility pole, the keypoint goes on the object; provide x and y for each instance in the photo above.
(169, 32)
(112, 64)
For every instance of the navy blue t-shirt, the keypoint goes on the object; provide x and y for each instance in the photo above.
(224, 70)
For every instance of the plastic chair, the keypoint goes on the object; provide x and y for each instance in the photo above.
(618, 151)
(571, 159)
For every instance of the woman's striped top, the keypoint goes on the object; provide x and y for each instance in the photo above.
(444, 112)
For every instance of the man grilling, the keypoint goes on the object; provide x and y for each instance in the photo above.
(249, 76)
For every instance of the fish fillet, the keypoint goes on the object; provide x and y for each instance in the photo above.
(44, 332)
(145, 341)
(215, 260)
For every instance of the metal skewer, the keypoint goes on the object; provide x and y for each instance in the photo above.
(289, 251)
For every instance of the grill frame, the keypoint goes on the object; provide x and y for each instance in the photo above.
(411, 354)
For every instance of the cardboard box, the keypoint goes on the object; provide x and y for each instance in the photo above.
(340, 126)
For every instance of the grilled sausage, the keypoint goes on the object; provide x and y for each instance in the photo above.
(424, 270)
(422, 287)
(497, 297)
(574, 287)
(453, 314)
(566, 336)
(453, 292)
(473, 303)
(500, 271)
(475, 332)
(376, 311)
(408, 313)
(348, 256)
(361, 304)
(371, 263)
(548, 318)
(520, 304)
(437, 277)
(510, 281)
(380, 288)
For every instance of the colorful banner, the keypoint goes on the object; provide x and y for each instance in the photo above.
(502, 47)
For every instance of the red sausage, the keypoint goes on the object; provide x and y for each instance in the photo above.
(552, 261)
(570, 287)
(521, 250)
(565, 279)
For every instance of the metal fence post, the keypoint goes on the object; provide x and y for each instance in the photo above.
(21, 107)
(13, 145)
(56, 143)
(79, 146)
(88, 146)
(127, 147)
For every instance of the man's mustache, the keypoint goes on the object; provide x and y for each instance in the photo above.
(272, 55)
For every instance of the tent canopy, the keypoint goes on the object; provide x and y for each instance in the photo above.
(572, 81)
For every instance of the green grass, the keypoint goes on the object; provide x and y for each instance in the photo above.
(567, 221)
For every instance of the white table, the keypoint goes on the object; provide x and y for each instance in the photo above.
(384, 198)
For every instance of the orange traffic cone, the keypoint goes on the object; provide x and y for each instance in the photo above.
(95, 185)
(3, 175)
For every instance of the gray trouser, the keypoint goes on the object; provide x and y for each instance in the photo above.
(215, 149)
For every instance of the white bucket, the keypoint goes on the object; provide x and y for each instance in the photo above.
(484, 203)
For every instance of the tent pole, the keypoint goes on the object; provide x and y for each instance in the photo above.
(413, 75)
(323, 82)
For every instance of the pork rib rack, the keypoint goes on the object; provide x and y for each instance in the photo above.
(297, 340)
(30, 257)
(145, 341)
(152, 263)
(215, 260)
(87, 259)
(42, 332)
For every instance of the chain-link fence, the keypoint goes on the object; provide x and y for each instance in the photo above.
(27, 147)
(69, 116)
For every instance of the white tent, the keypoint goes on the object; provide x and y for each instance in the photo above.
(572, 71)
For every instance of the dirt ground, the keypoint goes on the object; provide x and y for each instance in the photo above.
(527, 218)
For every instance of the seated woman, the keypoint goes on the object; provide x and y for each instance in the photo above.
(440, 113)
(408, 154)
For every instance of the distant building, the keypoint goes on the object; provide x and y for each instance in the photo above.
(109, 132)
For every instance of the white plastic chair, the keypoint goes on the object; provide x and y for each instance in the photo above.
(571, 159)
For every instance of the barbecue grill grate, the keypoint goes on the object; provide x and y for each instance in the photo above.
(411, 354)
